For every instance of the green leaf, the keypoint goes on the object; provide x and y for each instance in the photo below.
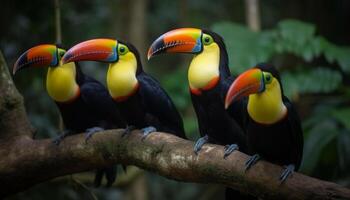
(319, 80)
(318, 138)
(295, 36)
(334, 53)
(245, 48)
(343, 116)
(343, 148)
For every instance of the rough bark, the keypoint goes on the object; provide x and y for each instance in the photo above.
(13, 118)
(34, 161)
(25, 162)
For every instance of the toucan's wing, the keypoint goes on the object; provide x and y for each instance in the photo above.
(296, 132)
(96, 96)
(157, 103)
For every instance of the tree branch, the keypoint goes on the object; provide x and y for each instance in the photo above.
(34, 161)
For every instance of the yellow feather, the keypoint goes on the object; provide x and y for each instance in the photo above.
(61, 84)
(121, 76)
(267, 107)
(204, 67)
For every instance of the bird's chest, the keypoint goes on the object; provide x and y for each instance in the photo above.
(61, 85)
(272, 142)
(203, 73)
(122, 82)
(77, 116)
(132, 110)
(211, 112)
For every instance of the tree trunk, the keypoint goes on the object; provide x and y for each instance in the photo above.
(252, 14)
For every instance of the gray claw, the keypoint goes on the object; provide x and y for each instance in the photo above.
(58, 139)
(148, 130)
(229, 149)
(200, 142)
(128, 130)
(91, 131)
(287, 172)
(251, 161)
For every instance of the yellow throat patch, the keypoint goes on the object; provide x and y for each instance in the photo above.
(121, 77)
(267, 107)
(204, 67)
(61, 84)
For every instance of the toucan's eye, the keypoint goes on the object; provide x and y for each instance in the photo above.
(207, 39)
(61, 54)
(268, 78)
(123, 50)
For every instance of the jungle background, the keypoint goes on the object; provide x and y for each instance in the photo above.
(308, 40)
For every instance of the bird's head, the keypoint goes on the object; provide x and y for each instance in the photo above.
(60, 81)
(124, 63)
(45, 55)
(102, 50)
(260, 79)
(185, 40)
(210, 60)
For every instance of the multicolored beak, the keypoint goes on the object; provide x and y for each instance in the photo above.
(249, 82)
(183, 40)
(39, 56)
(102, 50)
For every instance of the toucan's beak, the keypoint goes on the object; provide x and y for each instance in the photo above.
(102, 50)
(183, 40)
(39, 56)
(249, 82)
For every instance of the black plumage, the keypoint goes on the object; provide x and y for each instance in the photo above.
(90, 109)
(281, 142)
(94, 107)
(150, 105)
(221, 126)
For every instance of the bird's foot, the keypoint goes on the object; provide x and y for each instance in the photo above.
(200, 142)
(147, 130)
(128, 130)
(287, 172)
(91, 131)
(58, 139)
(229, 149)
(251, 161)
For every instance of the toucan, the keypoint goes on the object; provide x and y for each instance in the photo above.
(272, 126)
(209, 79)
(143, 103)
(84, 103)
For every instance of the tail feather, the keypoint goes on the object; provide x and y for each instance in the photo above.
(111, 175)
(98, 177)
(109, 172)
